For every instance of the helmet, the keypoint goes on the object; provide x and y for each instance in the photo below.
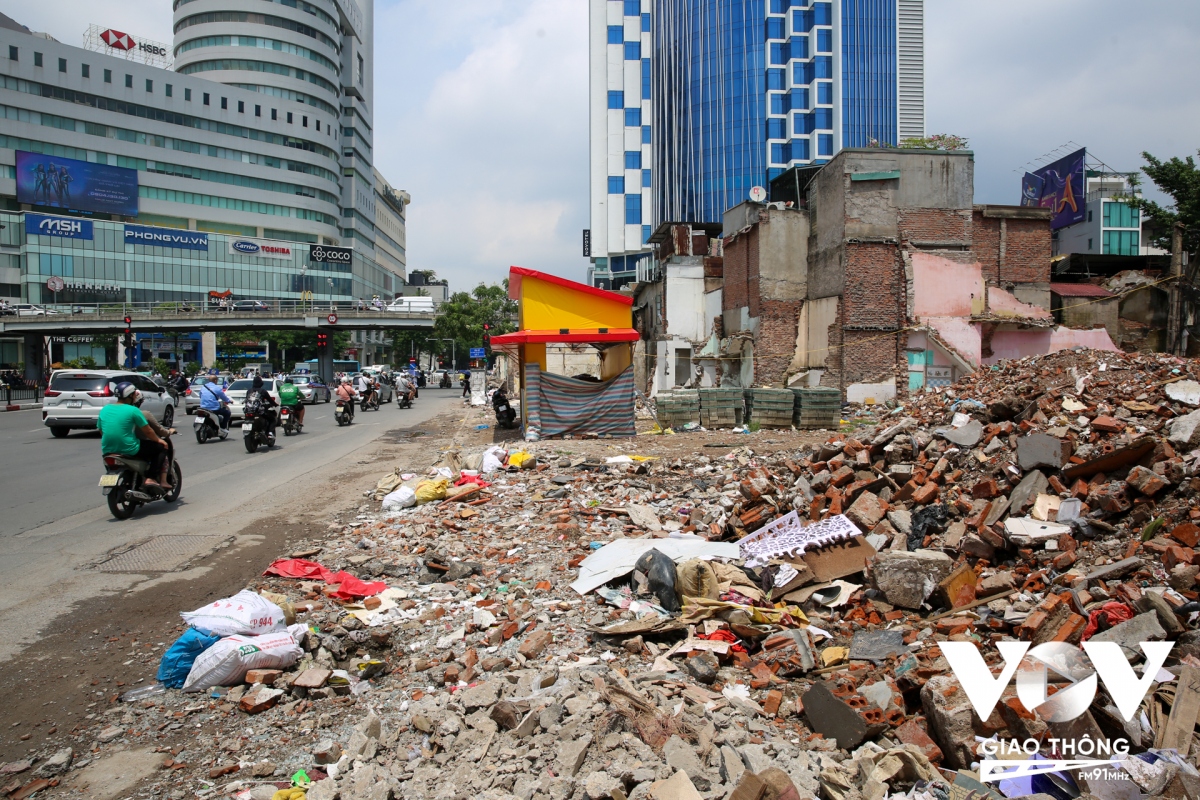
(288, 379)
(124, 390)
(345, 379)
(258, 382)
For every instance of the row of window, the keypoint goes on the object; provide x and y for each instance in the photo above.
(1120, 215)
(161, 115)
(233, 204)
(783, 153)
(248, 65)
(258, 19)
(798, 99)
(616, 98)
(259, 42)
(616, 33)
(797, 47)
(304, 6)
(821, 13)
(616, 183)
(288, 94)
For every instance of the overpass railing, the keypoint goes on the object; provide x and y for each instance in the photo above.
(195, 310)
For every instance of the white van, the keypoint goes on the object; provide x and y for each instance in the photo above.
(411, 305)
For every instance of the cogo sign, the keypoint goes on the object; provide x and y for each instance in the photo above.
(260, 248)
(326, 254)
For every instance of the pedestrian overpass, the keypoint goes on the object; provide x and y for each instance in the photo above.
(76, 320)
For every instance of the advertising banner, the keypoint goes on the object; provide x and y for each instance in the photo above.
(66, 227)
(166, 237)
(58, 182)
(327, 254)
(261, 248)
(1060, 187)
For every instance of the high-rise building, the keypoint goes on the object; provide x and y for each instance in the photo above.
(709, 98)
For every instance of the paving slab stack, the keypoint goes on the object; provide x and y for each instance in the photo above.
(818, 407)
(722, 407)
(773, 407)
(677, 408)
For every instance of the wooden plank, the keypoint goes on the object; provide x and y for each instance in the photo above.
(1184, 712)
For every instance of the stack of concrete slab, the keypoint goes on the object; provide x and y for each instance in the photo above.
(773, 407)
(818, 407)
(722, 407)
(677, 408)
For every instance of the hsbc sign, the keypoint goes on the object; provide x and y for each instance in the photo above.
(136, 49)
(118, 40)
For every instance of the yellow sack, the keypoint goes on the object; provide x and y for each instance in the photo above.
(428, 491)
(293, 793)
(519, 458)
(696, 578)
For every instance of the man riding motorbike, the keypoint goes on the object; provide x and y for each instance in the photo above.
(364, 386)
(268, 403)
(346, 394)
(126, 431)
(214, 399)
(290, 397)
(404, 387)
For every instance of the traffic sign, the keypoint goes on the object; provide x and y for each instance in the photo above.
(478, 352)
(331, 319)
(55, 284)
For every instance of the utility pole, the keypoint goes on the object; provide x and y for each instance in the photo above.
(1175, 307)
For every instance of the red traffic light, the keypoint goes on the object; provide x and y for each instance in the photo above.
(128, 320)
(486, 326)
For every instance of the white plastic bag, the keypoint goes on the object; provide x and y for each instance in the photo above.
(404, 497)
(493, 460)
(246, 613)
(227, 662)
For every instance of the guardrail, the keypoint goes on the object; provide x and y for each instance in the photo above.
(190, 310)
(10, 395)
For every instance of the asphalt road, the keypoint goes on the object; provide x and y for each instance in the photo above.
(56, 524)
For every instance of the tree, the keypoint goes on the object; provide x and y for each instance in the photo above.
(464, 314)
(938, 141)
(429, 275)
(1180, 180)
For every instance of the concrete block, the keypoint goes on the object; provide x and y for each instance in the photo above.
(907, 579)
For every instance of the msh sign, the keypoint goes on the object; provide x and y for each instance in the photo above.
(65, 227)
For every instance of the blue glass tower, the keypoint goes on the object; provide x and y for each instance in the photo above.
(743, 89)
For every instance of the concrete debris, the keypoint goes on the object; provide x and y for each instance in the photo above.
(1065, 508)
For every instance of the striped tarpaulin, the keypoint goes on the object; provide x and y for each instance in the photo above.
(556, 404)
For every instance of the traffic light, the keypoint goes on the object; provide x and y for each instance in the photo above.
(487, 336)
(128, 332)
(322, 341)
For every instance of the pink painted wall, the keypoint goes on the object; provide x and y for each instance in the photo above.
(943, 288)
(1002, 303)
(960, 335)
(1037, 341)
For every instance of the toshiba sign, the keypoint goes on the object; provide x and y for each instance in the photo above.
(260, 248)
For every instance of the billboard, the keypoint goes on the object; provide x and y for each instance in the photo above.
(260, 248)
(65, 227)
(1060, 187)
(327, 254)
(166, 237)
(57, 182)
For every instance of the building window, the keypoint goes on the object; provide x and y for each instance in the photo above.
(633, 159)
(616, 34)
(825, 41)
(37, 59)
(225, 103)
(616, 184)
(633, 118)
(776, 128)
(645, 23)
(108, 76)
(633, 51)
(289, 118)
(257, 110)
(646, 233)
(633, 8)
(823, 119)
(1089, 244)
(1120, 243)
(12, 52)
(62, 65)
(616, 99)
(1118, 215)
(799, 100)
(128, 81)
(1089, 215)
(360, 69)
(825, 93)
(241, 106)
(274, 113)
(633, 209)
(304, 121)
(645, 134)
(206, 98)
(168, 90)
(317, 122)
(187, 94)
(149, 85)
(775, 28)
(85, 71)
(823, 13)
(645, 179)
(825, 144)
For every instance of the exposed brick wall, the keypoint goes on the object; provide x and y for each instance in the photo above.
(1027, 249)
(740, 266)
(944, 225)
(874, 295)
(775, 345)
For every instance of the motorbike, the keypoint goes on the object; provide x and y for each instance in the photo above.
(124, 483)
(403, 400)
(506, 416)
(256, 430)
(341, 415)
(370, 400)
(207, 425)
(288, 421)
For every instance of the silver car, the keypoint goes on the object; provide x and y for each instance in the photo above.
(74, 398)
(237, 394)
(312, 388)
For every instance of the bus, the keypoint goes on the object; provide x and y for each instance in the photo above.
(339, 365)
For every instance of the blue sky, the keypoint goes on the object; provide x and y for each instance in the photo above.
(481, 105)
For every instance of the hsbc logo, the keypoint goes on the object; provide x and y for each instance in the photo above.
(117, 40)
(152, 49)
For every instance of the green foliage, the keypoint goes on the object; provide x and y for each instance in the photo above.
(938, 141)
(161, 366)
(464, 314)
(87, 362)
(192, 369)
(1180, 180)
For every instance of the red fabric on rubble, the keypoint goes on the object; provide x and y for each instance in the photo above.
(723, 635)
(1110, 614)
(350, 587)
(298, 568)
(465, 479)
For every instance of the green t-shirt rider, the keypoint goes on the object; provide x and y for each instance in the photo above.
(291, 397)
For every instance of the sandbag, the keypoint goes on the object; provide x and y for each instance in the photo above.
(246, 613)
(177, 661)
(404, 497)
(227, 662)
(696, 578)
(428, 491)
(659, 570)
(388, 483)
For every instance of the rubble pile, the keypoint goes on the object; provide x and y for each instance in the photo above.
(571, 621)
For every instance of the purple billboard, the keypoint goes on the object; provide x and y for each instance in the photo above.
(57, 182)
(1060, 187)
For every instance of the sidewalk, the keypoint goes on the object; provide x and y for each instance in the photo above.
(21, 406)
